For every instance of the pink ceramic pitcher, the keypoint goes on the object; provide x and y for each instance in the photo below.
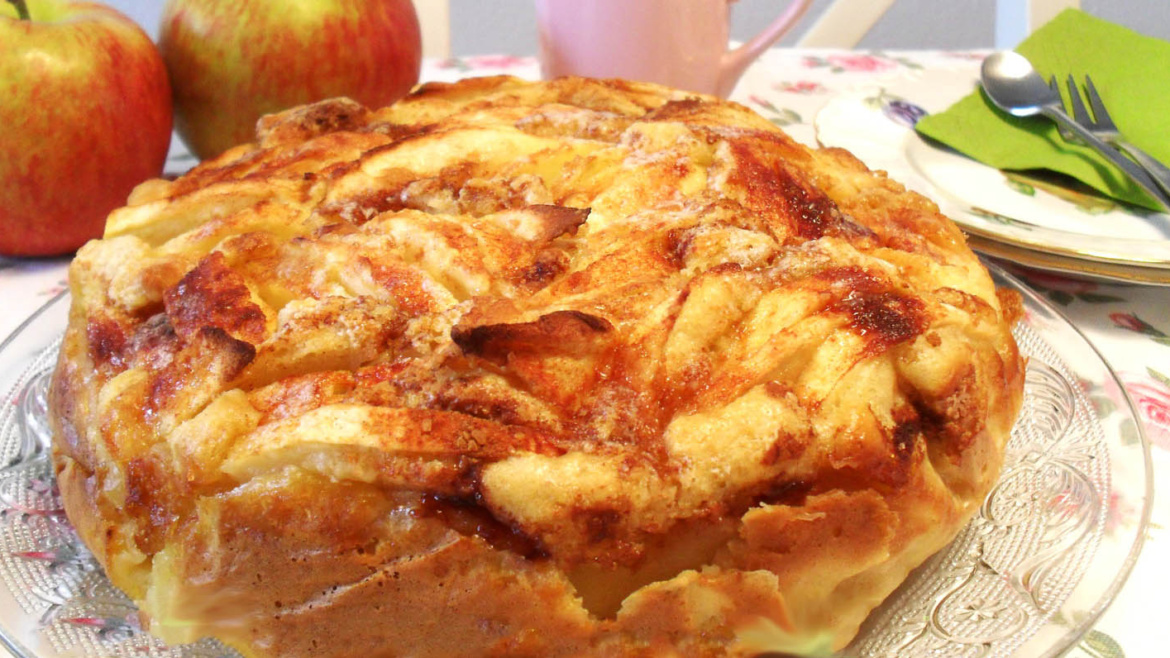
(680, 43)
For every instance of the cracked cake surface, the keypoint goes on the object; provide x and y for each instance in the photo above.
(511, 368)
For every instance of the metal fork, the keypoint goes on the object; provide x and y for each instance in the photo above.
(1101, 126)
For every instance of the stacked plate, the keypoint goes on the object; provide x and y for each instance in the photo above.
(1050, 224)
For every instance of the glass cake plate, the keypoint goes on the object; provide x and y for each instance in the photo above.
(1051, 546)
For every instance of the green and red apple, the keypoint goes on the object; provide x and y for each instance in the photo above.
(85, 115)
(233, 61)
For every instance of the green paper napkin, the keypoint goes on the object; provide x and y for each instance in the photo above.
(1130, 71)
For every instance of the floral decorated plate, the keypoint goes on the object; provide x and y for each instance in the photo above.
(1052, 545)
(1042, 223)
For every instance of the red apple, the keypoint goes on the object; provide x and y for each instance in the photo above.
(85, 115)
(233, 61)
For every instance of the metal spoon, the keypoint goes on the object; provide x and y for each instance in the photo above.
(1017, 88)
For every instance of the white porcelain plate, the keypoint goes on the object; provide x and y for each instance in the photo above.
(1025, 218)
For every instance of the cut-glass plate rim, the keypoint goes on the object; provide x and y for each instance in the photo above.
(1109, 594)
(20, 328)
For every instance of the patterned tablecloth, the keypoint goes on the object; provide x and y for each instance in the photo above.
(1128, 324)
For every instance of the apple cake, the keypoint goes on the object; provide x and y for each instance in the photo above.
(507, 368)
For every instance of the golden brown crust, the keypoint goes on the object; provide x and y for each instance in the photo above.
(527, 369)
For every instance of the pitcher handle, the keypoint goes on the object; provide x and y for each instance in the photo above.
(735, 62)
